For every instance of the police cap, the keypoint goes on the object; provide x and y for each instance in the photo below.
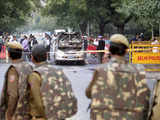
(119, 38)
(14, 45)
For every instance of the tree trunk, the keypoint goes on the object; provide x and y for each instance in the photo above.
(159, 29)
(83, 27)
(101, 28)
(120, 28)
(152, 31)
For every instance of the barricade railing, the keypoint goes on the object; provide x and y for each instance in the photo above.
(139, 53)
(147, 53)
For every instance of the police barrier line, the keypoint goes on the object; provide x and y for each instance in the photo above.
(105, 51)
(147, 69)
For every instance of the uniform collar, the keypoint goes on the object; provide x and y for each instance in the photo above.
(118, 59)
(17, 61)
(40, 64)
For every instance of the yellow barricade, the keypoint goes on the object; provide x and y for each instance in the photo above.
(144, 52)
(145, 58)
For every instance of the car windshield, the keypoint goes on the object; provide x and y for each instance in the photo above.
(69, 41)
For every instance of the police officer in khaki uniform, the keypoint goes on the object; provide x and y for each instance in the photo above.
(14, 94)
(155, 103)
(49, 90)
(37, 108)
(118, 90)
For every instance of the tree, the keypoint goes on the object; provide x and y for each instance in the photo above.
(102, 12)
(70, 13)
(147, 12)
(14, 12)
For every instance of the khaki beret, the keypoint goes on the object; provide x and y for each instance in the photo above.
(119, 38)
(15, 45)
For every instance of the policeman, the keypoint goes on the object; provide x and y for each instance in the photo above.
(14, 98)
(118, 90)
(101, 46)
(46, 88)
(155, 103)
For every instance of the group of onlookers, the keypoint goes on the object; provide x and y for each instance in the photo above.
(98, 43)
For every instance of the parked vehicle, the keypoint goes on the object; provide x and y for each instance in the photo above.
(69, 47)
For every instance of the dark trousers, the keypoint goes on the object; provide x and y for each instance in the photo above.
(100, 57)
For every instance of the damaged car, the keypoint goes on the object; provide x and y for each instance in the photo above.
(69, 47)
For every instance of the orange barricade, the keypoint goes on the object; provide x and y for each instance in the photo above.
(3, 52)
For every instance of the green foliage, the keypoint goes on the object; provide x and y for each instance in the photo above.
(68, 12)
(14, 13)
(147, 12)
(79, 13)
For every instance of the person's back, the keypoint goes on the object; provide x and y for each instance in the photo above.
(48, 87)
(118, 90)
(14, 99)
(85, 43)
(101, 45)
(25, 45)
(155, 102)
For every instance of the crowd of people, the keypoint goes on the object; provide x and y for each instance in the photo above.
(28, 41)
(89, 42)
(118, 90)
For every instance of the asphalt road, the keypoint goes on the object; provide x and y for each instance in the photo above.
(80, 76)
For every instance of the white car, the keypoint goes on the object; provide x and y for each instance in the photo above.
(69, 47)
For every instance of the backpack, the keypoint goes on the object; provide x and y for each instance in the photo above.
(57, 95)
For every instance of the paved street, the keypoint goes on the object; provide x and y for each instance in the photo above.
(80, 77)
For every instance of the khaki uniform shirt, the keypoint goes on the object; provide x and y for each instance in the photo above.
(36, 104)
(88, 90)
(12, 91)
(156, 108)
(118, 91)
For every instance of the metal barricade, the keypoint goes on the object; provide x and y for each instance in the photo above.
(144, 52)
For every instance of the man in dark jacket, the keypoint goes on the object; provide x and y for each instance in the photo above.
(101, 46)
